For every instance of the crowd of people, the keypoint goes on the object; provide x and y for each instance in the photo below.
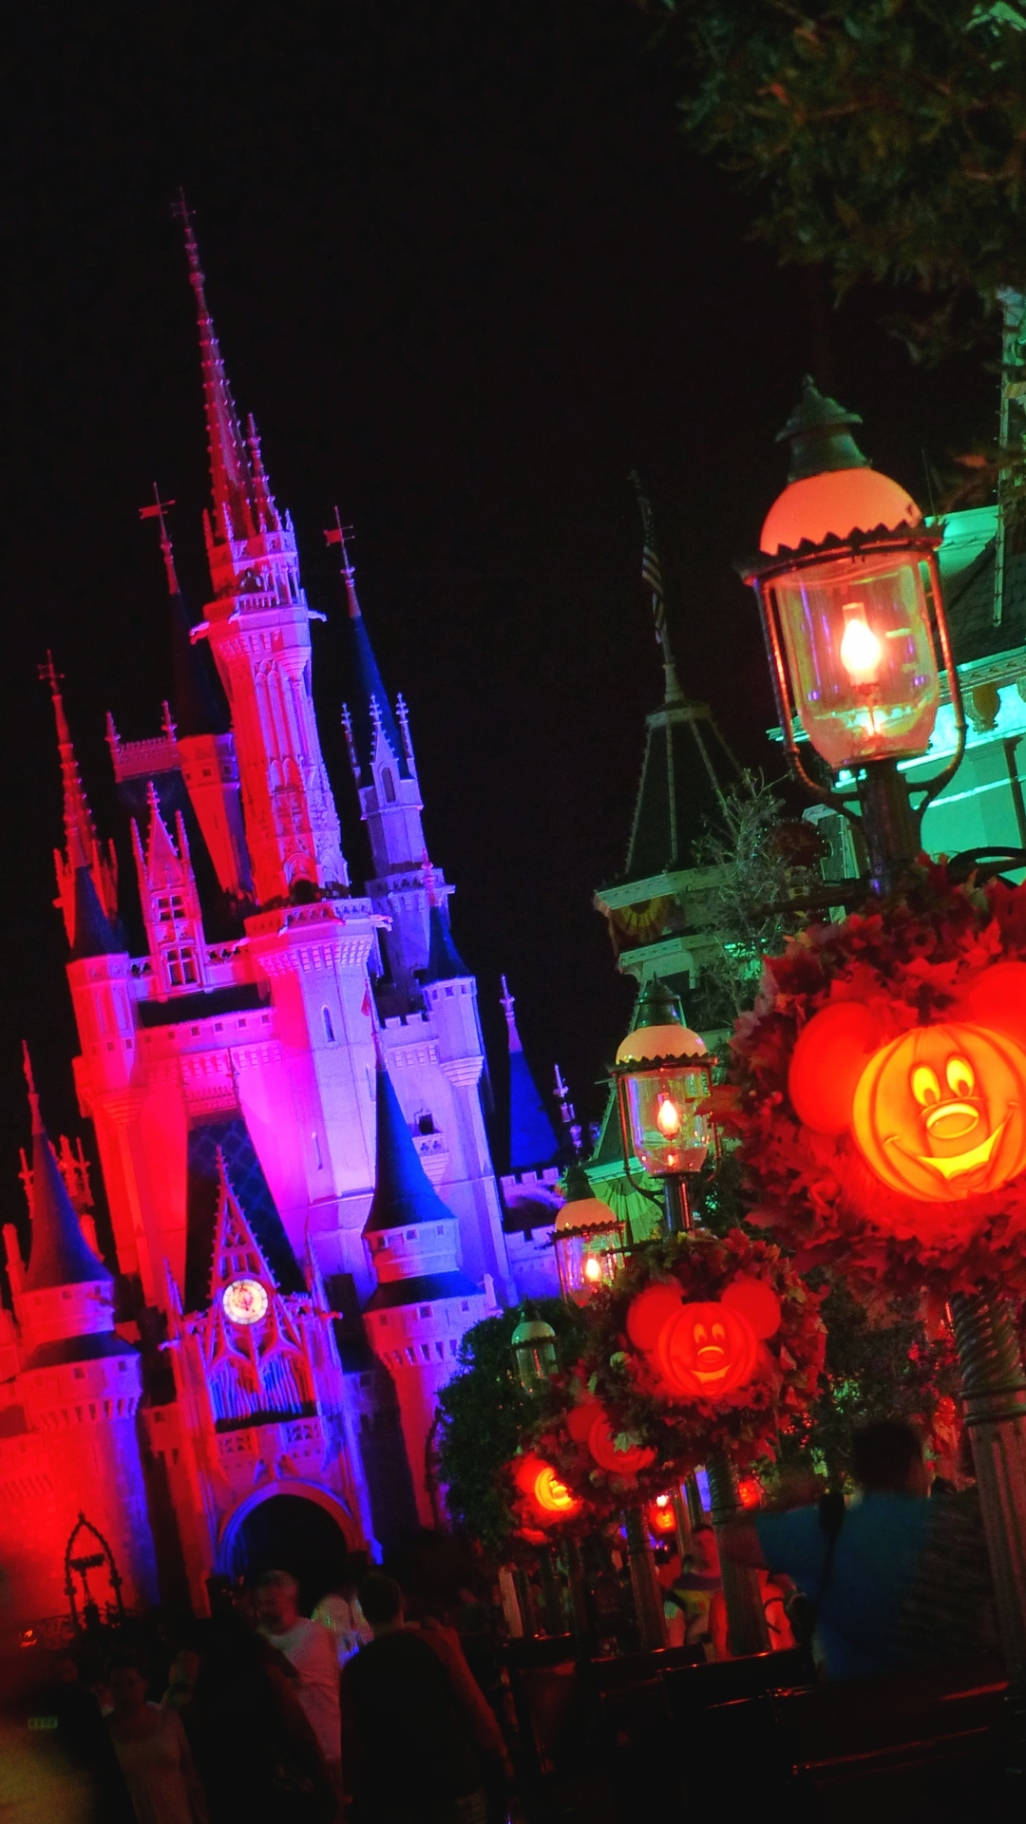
(377, 1709)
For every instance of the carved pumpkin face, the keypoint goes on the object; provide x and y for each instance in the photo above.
(706, 1350)
(939, 1113)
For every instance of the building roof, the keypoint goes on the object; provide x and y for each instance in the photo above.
(422, 1290)
(968, 558)
(93, 1348)
(403, 1193)
(59, 1253)
(686, 766)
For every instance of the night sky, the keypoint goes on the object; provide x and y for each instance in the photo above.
(466, 274)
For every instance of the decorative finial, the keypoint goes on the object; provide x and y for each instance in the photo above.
(157, 512)
(30, 1081)
(337, 535)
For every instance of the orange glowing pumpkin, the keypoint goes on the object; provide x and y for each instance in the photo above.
(602, 1445)
(550, 1498)
(939, 1113)
(706, 1350)
(661, 1518)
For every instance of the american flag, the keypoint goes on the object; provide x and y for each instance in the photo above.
(651, 568)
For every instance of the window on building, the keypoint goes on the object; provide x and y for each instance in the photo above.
(168, 906)
(329, 1030)
(180, 966)
(388, 785)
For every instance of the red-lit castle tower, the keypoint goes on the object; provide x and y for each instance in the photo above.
(283, 1078)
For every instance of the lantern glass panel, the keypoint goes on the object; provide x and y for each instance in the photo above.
(861, 658)
(667, 1131)
(588, 1261)
(535, 1357)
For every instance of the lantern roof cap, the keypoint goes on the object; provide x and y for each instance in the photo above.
(819, 435)
(832, 491)
(582, 1210)
(660, 1030)
(532, 1330)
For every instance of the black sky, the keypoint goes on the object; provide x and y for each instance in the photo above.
(466, 274)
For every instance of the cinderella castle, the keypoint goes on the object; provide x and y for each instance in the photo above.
(283, 1072)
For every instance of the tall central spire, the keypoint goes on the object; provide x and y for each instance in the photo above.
(230, 470)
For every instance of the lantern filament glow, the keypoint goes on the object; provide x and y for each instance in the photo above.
(668, 1118)
(861, 651)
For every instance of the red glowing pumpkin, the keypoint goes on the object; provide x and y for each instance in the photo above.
(588, 1424)
(938, 1113)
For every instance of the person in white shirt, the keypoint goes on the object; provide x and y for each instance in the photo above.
(310, 1649)
(340, 1610)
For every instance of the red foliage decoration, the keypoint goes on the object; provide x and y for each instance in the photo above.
(634, 1417)
(907, 1021)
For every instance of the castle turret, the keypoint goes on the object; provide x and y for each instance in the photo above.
(258, 625)
(424, 1301)
(79, 1391)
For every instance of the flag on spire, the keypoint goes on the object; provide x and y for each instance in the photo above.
(652, 576)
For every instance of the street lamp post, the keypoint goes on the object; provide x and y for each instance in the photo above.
(853, 627)
(663, 1076)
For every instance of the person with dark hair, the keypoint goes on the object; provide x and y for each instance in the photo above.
(855, 1564)
(408, 1754)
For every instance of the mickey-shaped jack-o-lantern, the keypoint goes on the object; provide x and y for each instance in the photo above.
(704, 1348)
(549, 1499)
(938, 1113)
(588, 1424)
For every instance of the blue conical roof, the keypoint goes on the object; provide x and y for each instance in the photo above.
(198, 700)
(59, 1254)
(367, 690)
(532, 1136)
(444, 962)
(94, 933)
(403, 1192)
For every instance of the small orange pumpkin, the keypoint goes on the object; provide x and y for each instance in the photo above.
(940, 1113)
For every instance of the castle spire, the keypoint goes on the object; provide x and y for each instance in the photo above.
(231, 481)
(533, 1141)
(369, 717)
(59, 1254)
(87, 871)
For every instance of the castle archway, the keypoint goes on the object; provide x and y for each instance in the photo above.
(290, 1528)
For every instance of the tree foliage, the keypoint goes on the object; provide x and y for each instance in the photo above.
(767, 867)
(484, 1414)
(885, 140)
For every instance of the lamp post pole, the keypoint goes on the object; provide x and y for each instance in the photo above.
(847, 624)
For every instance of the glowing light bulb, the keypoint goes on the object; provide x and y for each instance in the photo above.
(861, 651)
(593, 1269)
(668, 1118)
